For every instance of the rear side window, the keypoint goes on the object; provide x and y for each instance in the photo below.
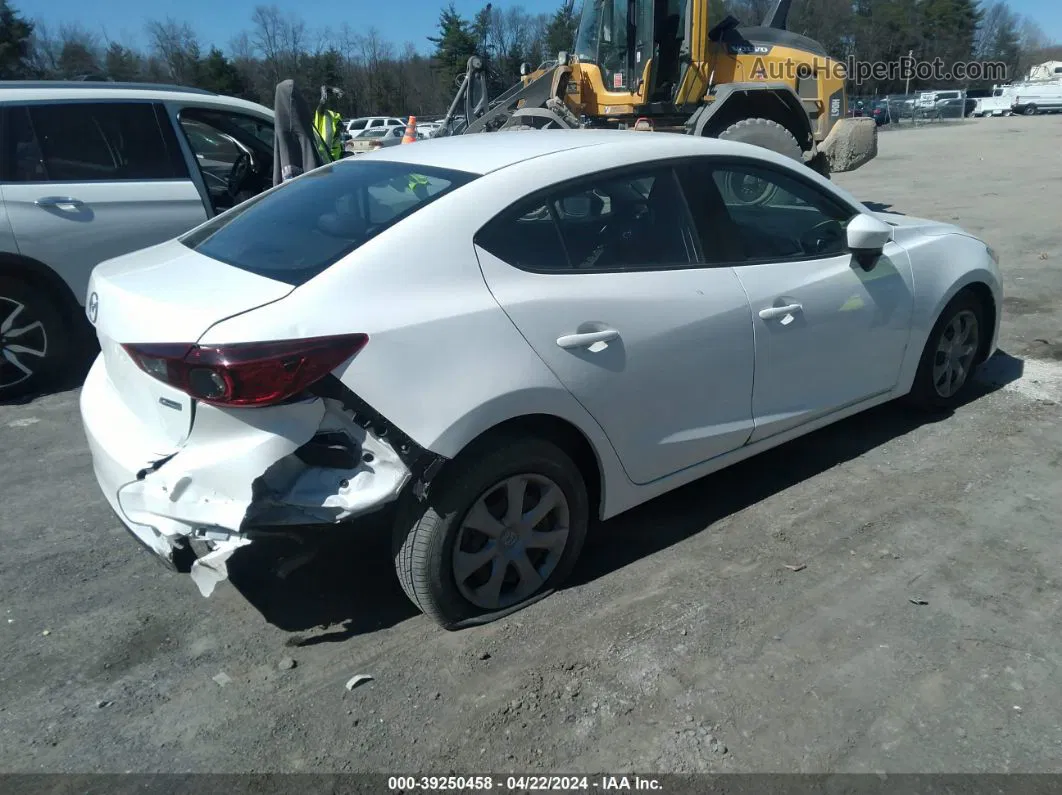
(89, 142)
(297, 231)
(628, 220)
(526, 237)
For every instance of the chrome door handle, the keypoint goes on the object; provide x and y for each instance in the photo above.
(58, 201)
(587, 339)
(780, 311)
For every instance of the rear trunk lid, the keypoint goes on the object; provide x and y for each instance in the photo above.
(165, 294)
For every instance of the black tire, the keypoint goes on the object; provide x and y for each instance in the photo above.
(924, 394)
(766, 133)
(47, 332)
(1030, 110)
(425, 532)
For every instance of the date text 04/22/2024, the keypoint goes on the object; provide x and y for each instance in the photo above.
(517, 784)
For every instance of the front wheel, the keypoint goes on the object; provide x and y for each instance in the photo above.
(501, 529)
(946, 368)
(33, 339)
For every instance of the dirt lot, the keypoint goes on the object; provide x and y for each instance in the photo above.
(683, 644)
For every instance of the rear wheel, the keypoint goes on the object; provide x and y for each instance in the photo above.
(33, 339)
(945, 371)
(498, 531)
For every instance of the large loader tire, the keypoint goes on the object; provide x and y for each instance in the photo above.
(744, 188)
(766, 133)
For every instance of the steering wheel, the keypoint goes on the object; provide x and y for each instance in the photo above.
(240, 173)
(821, 237)
(619, 232)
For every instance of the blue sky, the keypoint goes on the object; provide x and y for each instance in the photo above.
(398, 21)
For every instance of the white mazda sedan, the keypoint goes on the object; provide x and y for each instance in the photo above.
(504, 337)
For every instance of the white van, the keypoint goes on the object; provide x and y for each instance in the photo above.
(1031, 99)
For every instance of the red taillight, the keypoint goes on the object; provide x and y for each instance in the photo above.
(249, 373)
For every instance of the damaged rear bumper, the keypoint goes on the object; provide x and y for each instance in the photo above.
(315, 461)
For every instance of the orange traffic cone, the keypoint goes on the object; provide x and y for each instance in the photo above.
(411, 131)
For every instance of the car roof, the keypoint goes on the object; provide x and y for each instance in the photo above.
(29, 90)
(483, 153)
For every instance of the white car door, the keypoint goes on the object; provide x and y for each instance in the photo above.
(602, 277)
(93, 180)
(828, 333)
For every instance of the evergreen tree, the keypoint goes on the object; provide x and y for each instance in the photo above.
(15, 33)
(121, 64)
(950, 28)
(217, 73)
(560, 33)
(1007, 45)
(454, 45)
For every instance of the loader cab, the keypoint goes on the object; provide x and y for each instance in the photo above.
(624, 37)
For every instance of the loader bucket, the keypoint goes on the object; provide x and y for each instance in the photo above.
(851, 143)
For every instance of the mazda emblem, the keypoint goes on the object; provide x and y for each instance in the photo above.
(93, 308)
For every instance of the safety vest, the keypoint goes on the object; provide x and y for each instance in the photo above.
(327, 124)
(416, 184)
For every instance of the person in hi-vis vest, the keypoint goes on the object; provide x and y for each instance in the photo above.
(329, 124)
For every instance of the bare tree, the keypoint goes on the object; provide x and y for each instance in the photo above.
(279, 39)
(177, 48)
(44, 50)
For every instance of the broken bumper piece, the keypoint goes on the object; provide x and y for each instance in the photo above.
(302, 463)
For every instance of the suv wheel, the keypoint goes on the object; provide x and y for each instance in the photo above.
(33, 344)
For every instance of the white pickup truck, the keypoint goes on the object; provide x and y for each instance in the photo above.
(1001, 103)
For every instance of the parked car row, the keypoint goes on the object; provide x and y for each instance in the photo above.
(375, 126)
(928, 105)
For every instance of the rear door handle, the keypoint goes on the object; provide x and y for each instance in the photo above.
(587, 339)
(780, 311)
(58, 201)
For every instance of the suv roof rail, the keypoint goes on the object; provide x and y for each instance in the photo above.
(103, 84)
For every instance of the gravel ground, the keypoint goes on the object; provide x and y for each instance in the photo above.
(921, 636)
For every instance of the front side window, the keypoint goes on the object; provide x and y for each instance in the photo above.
(295, 232)
(778, 216)
(616, 221)
(262, 130)
(89, 142)
(234, 153)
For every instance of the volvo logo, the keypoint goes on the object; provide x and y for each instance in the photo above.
(93, 308)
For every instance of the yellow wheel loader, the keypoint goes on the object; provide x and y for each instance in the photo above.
(662, 65)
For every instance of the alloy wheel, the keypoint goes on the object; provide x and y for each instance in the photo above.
(23, 343)
(955, 353)
(510, 541)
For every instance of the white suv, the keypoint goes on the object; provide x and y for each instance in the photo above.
(90, 171)
(356, 127)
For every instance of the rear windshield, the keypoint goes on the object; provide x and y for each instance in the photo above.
(296, 232)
